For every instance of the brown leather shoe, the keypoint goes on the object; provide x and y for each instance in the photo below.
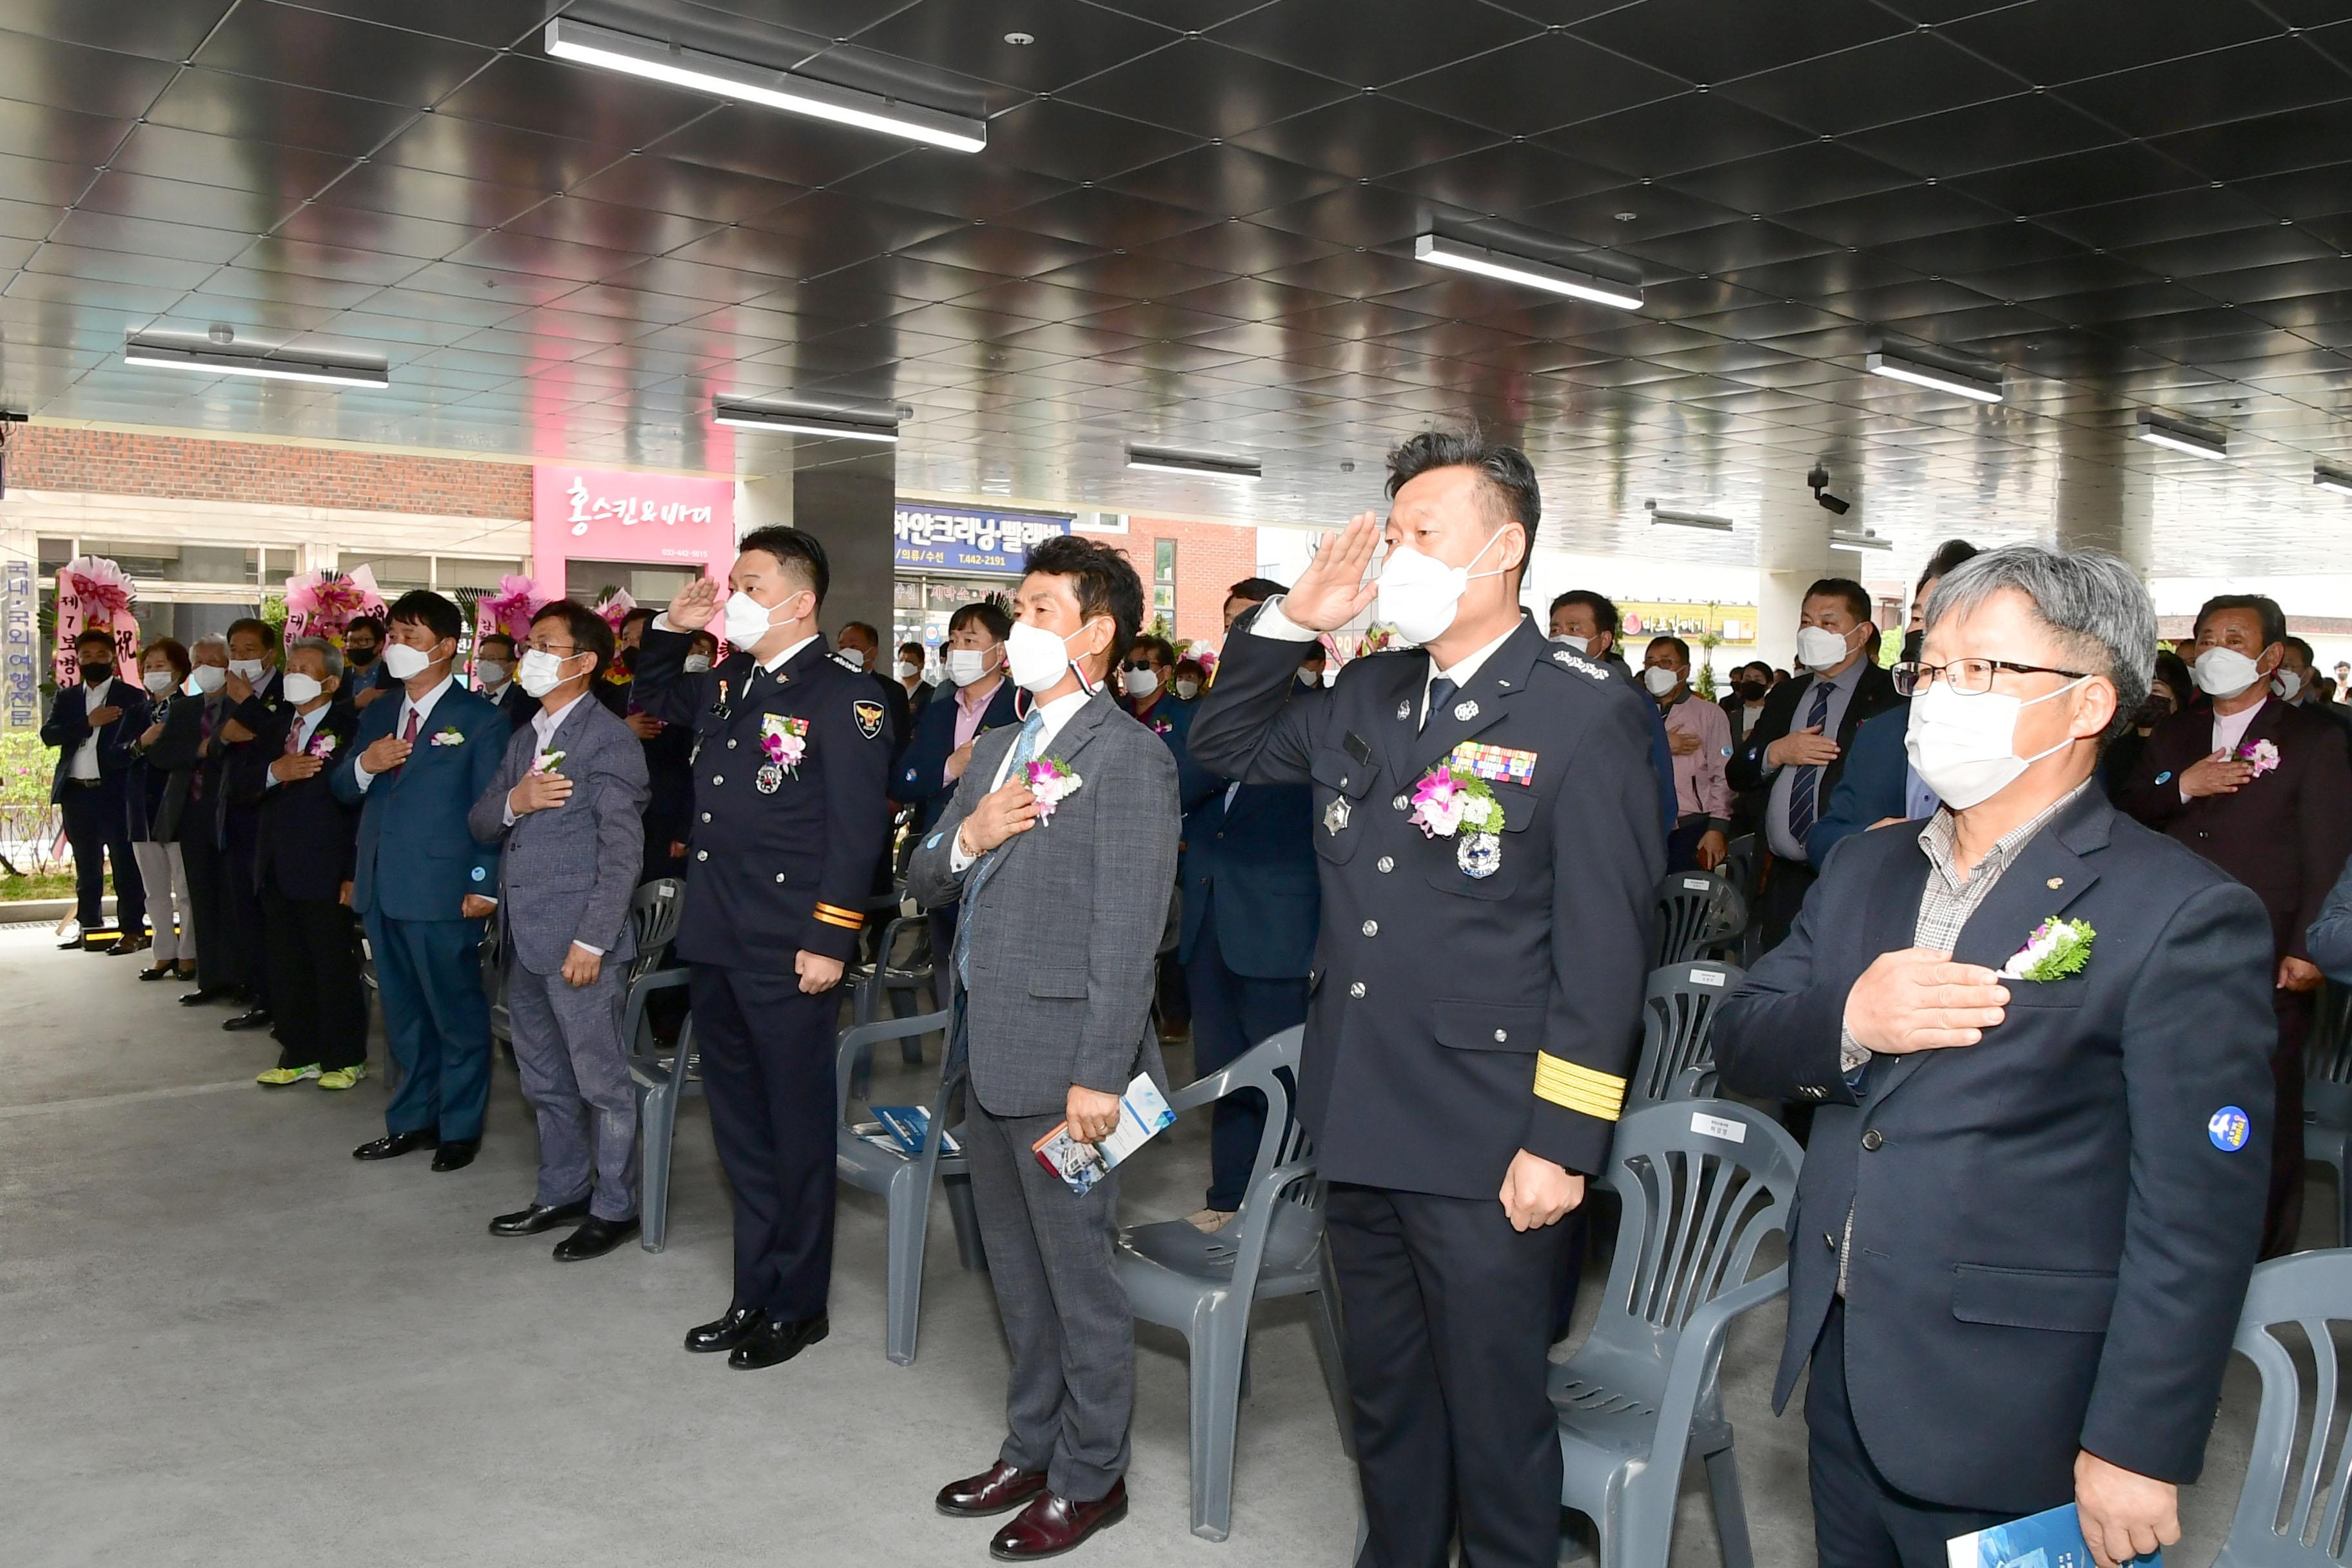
(1052, 1525)
(1000, 1488)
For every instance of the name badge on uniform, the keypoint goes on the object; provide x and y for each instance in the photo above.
(1496, 765)
(720, 707)
(769, 778)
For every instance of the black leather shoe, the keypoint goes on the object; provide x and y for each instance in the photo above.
(772, 1344)
(125, 945)
(392, 1145)
(251, 1018)
(731, 1329)
(202, 994)
(1052, 1525)
(1000, 1488)
(538, 1217)
(160, 972)
(70, 943)
(456, 1154)
(594, 1238)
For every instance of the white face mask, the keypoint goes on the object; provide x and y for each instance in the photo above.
(1037, 658)
(2287, 684)
(208, 679)
(542, 672)
(1660, 680)
(301, 688)
(1965, 748)
(1817, 647)
(1589, 647)
(1138, 684)
(491, 672)
(1187, 690)
(405, 663)
(2223, 672)
(1419, 594)
(908, 669)
(747, 620)
(966, 665)
(1310, 677)
(249, 670)
(696, 663)
(159, 681)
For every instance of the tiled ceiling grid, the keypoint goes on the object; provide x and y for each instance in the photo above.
(1193, 227)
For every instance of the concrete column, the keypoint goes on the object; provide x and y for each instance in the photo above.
(848, 505)
(1793, 553)
(2098, 505)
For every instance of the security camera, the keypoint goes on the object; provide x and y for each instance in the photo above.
(1819, 480)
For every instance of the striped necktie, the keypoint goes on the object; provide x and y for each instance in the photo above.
(1804, 790)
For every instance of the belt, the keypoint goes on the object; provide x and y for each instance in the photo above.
(85, 783)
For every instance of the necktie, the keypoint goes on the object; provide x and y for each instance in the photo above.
(407, 733)
(294, 736)
(1441, 692)
(1805, 787)
(204, 738)
(1025, 751)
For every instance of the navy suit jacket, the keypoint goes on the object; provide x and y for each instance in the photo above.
(920, 778)
(417, 857)
(306, 844)
(2053, 1228)
(1249, 866)
(1875, 784)
(68, 726)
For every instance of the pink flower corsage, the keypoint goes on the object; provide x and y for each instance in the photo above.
(1159, 725)
(547, 762)
(783, 741)
(1455, 803)
(1050, 782)
(2263, 754)
(321, 746)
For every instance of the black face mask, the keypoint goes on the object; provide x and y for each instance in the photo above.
(360, 656)
(1913, 643)
(1751, 691)
(91, 674)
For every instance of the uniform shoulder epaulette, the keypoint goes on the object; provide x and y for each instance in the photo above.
(1569, 660)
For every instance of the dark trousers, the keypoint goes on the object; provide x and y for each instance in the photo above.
(314, 981)
(2283, 1216)
(1231, 1013)
(208, 892)
(249, 934)
(767, 1071)
(1859, 1521)
(437, 1023)
(1449, 1314)
(567, 1048)
(1785, 886)
(1682, 844)
(97, 830)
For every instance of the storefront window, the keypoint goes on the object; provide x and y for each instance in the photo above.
(922, 606)
(1163, 581)
(394, 574)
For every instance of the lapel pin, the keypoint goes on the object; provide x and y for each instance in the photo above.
(2057, 881)
(1464, 711)
(1404, 709)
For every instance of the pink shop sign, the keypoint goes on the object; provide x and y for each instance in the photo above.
(600, 515)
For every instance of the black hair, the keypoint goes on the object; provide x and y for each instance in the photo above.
(2173, 670)
(89, 634)
(424, 607)
(1103, 580)
(1674, 643)
(636, 613)
(921, 652)
(1857, 597)
(1159, 645)
(1948, 554)
(1604, 610)
(1508, 479)
(259, 627)
(372, 623)
(2274, 620)
(703, 635)
(795, 549)
(1256, 590)
(988, 613)
(591, 633)
(2297, 646)
(483, 646)
(871, 634)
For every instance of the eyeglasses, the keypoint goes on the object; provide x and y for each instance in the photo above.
(1968, 677)
(1141, 664)
(547, 647)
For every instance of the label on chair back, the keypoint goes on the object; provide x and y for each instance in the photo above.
(1707, 977)
(1721, 1127)
(1697, 884)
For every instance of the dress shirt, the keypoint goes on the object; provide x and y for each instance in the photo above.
(1784, 843)
(1272, 622)
(1700, 788)
(423, 708)
(85, 757)
(1053, 716)
(544, 725)
(305, 726)
(971, 709)
(2229, 733)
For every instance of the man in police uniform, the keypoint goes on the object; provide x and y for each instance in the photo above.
(1478, 979)
(791, 755)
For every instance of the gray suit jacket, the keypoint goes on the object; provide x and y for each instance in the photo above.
(1066, 930)
(566, 874)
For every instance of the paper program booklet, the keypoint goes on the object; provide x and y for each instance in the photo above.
(1143, 1111)
(2051, 1540)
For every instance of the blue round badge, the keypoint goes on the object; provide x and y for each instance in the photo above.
(478, 873)
(2228, 1127)
(2165, 777)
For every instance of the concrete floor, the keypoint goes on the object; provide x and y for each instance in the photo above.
(223, 1340)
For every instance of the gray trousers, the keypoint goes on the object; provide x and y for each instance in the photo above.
(1066, 1318)
(567, 1046)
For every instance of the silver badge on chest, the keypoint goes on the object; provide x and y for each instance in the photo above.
(1404, 709)
(770, 779)
(1464, 711)
(1334, 816)
(1480, 855)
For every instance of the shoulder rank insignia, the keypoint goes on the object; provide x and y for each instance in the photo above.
(868, 716)
(1496, 765)
(1578, 662)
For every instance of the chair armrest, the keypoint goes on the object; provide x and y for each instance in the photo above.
(865, 1035)
(633, 1015)
(1701, 1345)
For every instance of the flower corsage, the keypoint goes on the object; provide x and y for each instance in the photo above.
(322, 745)
(547, 762)
(783, 741)
(1050, 783)
(453, 736)
(2056, 949)
(2263, 754)
(1455, 803)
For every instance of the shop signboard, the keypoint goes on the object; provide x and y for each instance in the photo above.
(599, 514)
(956, 539)
(20, 652)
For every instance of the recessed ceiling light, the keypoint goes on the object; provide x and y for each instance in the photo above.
(2179, 437)
(159, 354)
(1688, 518)
(1490, 263)
(1983, 388)
(2335, 479)
(1157, 460)
(1857, 539)
(751, 414)
(1021, 40)
(736, 79)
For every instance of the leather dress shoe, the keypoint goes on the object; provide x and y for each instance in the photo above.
(202, 994)
(1000, 1488)
(771, 1344)
(594, 1238)
(251, 1018)
(158, 971)
(456, 1153)
(731, 1329)
(1052, 1525)
(538, 1217)
(394, 1145)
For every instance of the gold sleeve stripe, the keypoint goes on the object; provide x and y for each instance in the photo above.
(834, 917)
(1579, 1089)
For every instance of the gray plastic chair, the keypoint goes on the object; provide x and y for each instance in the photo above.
(1700, 914)
(905, 985)
(1677, 1050)
(2292, 1514)
(659, 1078)
(1739, 864)
(493, 977)
(2327, 1100)
(1204, 1286)
(904, 1180)
(1700, 1183)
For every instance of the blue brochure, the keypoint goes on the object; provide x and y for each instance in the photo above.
(2051, 1540)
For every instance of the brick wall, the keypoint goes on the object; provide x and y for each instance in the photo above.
(113, 462)
(1211, 557)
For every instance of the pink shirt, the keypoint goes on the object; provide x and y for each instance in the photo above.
(1700, 788)
(969, 711)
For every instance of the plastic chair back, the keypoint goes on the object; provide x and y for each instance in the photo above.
(655, 911)
(1739, 864)
(1677, 1047)
(1699, 913)
(2292, 1511)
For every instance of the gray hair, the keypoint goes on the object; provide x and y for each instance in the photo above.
(2092, 601)
(327, 651)
(210, 639)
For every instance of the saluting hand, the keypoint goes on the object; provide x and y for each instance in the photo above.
(1536, 1192)
(1917, 999)
(696, 603)
(1332, 591)
(1006, 810)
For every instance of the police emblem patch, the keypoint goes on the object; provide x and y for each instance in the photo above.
(1334, 816)
(769, 778)
(869, 718)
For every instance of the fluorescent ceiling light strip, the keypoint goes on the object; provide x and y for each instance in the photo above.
(1689, 519)
(2189, 441)
(2335, 479)
(1982, 389)
(802, 422)
(210, 361)
(1191, 466)
(744, 83)
(1488, 263)
(1851, 540)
